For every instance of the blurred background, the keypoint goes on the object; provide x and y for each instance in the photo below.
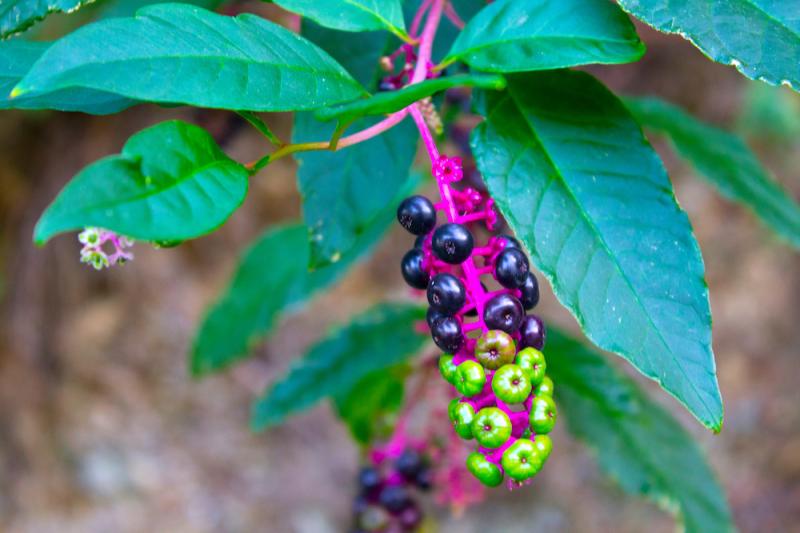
(102, 428)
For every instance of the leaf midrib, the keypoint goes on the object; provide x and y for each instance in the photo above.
(587, 218)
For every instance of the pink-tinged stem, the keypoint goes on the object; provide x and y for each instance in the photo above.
(368, 133)
(452, 16)
(418, 17)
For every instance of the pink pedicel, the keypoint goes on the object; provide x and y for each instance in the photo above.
(95, 243)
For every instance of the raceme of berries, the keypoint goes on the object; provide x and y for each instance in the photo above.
(492, 348)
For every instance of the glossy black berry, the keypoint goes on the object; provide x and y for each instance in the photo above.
(409, 464)
(417, 215)
(419, 241)
(447, 334)
(508, 242)
(503, 312)
(411, 517)
(452, 243)
(433, 316)
(532, 333)
(412, 268)
(446, 293)
(424, 479)
(394, 498)
(530, 292)
(511, 268)
(369, 478)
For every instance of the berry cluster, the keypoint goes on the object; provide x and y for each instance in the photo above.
(492, 347)
(386, 493)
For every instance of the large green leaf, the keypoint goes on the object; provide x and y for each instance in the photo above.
(170, 183)
(761, 38)
(17, 57)
(391, 101)
(351, 15)
(19, 15)
(524, 35)
(177, 53)
(579, 184)
(375, 340)
(344, 191)
(726, 161)
(128, 8)
(368, 407)
(635, 441)
(272, 278)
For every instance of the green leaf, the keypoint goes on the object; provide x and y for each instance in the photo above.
(391, 101)
(16, 59)
(344, 191)
(726, 161)
(761, 38)
(525, 35)
(128, 8)
(447, 32)
(367, 408)
(170, 183)
(351, 15)
(580, 185)
(375, 340)
(182, 54)
(19, 15)
(272, 278)
(635, 441)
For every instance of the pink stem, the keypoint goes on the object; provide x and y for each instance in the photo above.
(418, 18)
(452, 16)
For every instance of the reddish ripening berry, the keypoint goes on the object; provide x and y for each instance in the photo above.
(470, 378)
(494, 349)
(543, 415)
(531, 332)
(484, 471)
(530, 292)
(446, 293)
(503, 312)
(446, 333)
(452, 243)
(417, 215)
(511, 268)
(412, 269)
(511, 384)
(491, 427)
(533, 363)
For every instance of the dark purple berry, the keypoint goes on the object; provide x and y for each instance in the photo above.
(447, 334)
(503, 312)
(360, 505)
(419, 241)
(411, 517)
(446, 293)
(409, 464)
(387, 85)
(394, 498)
(452, 243)
(511, 268)
(412, 268)
(530, 292)
(508, 242)
(532, 332)
(417, 215)
(424, 479)
(433, 316)
(369, 478)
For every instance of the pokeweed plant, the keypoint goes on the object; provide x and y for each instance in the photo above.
(557, 159)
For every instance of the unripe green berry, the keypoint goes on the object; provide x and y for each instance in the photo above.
(494, 349)
(532, 362)
(543, 445)
(511, 384)
(451, 409)
(491, 427)
(470, 378)
(545, 388)
(543, 415)
(463, 416)
(522, 460)
(447, 368)
(486, 472)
